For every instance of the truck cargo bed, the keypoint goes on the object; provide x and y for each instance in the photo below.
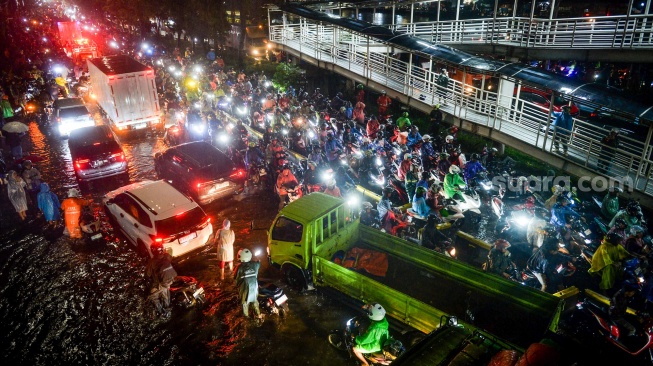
(424, 279)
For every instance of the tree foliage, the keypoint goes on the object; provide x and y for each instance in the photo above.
(286, 74)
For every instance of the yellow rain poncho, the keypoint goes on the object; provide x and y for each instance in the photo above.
(607, 261)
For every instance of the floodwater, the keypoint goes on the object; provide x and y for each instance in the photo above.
(65, 303)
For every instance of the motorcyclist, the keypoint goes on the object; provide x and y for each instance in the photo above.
(619, 305)
(432, 238)
(316, 156)
(449, 146)
(247, 281)
(443, 165)
(369, 216)
(403, 122)
(311, 179)
(499, 261)
(632, 215)
(620, 228)
(419, 205)
(376, 335)
(332, 189)
(428, 152)
(404, 167)
(414, 137)
(607, 261)
(373, 127)
(159, 275)
(561, 211)
(343, 179)
(72, 208)
(635, 242)
(285, 179)
(384, 204)
(610, 203)
(253, 156)
(332, 147)
(543, 265)
(472, 168)
(535, 230)
(383, 102)
(436, 119)
(453, 183)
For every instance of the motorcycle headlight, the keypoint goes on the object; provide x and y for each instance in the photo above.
(522, 220)
(223, 137)
(199, 127)
(378, 161)
(311, 134)
(587, 241)
(241, 111)
(198, 105)
(353, 201)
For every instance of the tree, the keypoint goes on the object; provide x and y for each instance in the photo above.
(286, 74)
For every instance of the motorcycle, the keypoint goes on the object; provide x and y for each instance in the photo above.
(272, 300)
(344, 340)
(471, 202)
(186, 292)
(599, 324)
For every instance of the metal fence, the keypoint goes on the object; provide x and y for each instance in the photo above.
(634, 31)
(498, 110)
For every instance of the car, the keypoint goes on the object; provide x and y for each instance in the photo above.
(96, 153)
(543, 99)
(69, 114)
(200, 170)
(154, 213)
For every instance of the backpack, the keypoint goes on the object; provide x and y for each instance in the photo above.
(166, 273)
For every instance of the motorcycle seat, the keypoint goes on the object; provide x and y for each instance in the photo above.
(270, 290)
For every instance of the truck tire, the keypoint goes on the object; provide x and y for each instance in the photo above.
(295, 278)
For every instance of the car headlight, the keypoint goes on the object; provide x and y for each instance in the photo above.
(223, 137)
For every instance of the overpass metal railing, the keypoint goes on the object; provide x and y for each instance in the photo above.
(501, 111)
(635, 31)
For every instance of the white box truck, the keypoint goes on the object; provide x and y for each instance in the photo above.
(125, 91)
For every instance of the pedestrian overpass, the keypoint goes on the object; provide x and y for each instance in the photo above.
(490, 106)
(592, 38)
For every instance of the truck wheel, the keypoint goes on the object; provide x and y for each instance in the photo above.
(295, 278)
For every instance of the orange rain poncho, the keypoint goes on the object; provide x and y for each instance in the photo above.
(72, 208)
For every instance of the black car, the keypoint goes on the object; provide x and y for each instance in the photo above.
(96, 153)
(201, 170)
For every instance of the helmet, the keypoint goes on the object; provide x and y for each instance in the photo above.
(615, 189)
(501, 244)
(636, 229)
(244, 255)
(454, 169)
(474, 157)
(407, 156)
(613, 238)
(562, 198)
(444, 155)
(387, 190)
(426, 137)
(383, 92)
(251, 144)
(420, 191)
(359, 86)
(375, 312)
(437, 106)
(632, 209)
(620, 222)
(343, 109)
(449, 138)
(73, 192)
(339, 94)
(405, 114)
(157, 250)
(331, 183)
(367, 205)
(27, 161)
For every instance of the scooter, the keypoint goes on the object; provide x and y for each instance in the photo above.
(602, 324)
(272, 300)
(471, 203)
(186, 292)
(344, 340)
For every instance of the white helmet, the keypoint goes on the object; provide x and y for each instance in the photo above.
(244, 255)
(449, 138)
(74, 192)
(375, 311)
(407, 156)
(454, 169)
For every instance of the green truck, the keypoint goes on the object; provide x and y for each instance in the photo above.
(419, 286)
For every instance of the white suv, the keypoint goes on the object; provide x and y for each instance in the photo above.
(156, 214)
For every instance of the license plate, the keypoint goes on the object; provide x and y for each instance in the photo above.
(96, 236)
(138, 126)
(588, 232)
(281, 300)
(99, 163)
(187, 238)
(198, 292)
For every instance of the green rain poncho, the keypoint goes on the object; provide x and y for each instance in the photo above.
(451, 181)
(247, 282)
(605, 261)
(372, 340)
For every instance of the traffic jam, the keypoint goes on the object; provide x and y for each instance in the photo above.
(175, 203)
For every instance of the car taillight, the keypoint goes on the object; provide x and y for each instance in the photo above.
(238, 174)
(205, 223)
(118, 156)
(158, 240)
(80, 162)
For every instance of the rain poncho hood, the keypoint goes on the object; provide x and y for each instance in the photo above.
(48, 203)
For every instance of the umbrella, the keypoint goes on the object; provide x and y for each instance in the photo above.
(15, 127)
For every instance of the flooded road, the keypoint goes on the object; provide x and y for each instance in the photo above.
(65, 303)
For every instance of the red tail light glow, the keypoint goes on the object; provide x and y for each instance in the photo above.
(118, 156)
(80, 162)
(238, 174)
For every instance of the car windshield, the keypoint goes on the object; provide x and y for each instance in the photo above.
(179, 223)
(99, 149)
(73, 112)
(287, 230)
